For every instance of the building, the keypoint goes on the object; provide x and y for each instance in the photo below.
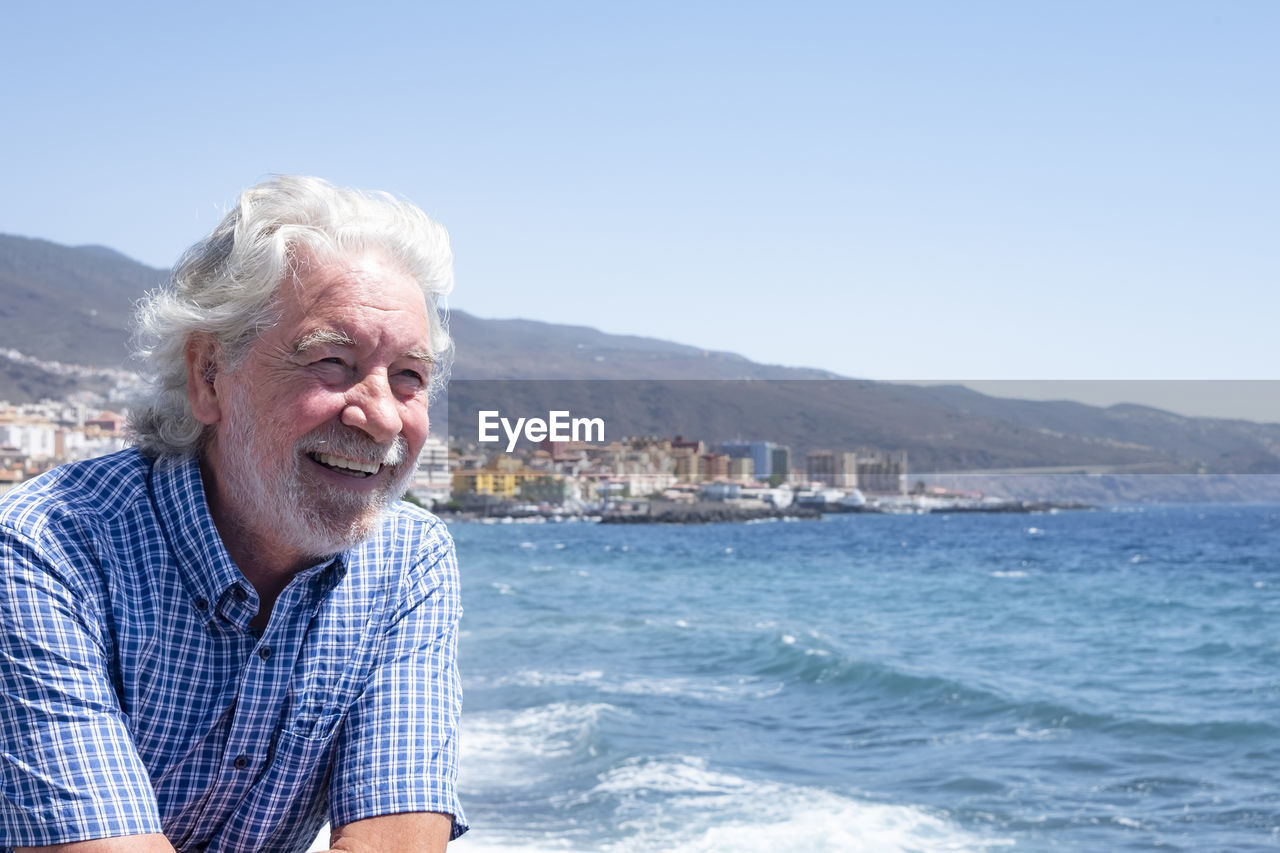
(687, 469)
(742, 470)
(484, 481)
(548, 489)
(820, 467)
(761, 454)
(779, 465)
(713, 467)
(432, 482)
(882, 471)
(37, 439)
(838, 469)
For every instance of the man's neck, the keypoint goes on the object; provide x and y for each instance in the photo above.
(265, 562)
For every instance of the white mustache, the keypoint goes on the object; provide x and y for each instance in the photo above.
(352, 444)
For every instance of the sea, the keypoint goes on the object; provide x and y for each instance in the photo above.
(1101, 680)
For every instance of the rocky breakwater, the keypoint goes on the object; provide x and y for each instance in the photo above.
(707, 512)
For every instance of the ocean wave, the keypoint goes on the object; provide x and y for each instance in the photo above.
(516, 747)
(541, 678)
(680, 804)
(784, 663)
(809, 660)
(690, 687)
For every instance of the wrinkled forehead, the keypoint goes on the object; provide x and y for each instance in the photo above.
(335, 281)
(308, 264)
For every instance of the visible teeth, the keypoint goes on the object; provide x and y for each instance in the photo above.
(347, 464)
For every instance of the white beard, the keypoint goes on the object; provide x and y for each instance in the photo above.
(270, 493)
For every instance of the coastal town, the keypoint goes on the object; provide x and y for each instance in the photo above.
(671, 478)
(628, 480)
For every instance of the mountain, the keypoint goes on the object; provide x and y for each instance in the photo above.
(927, 422)
(73, 304)
(529, 349)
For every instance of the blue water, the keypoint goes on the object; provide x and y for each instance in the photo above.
(1101, 680)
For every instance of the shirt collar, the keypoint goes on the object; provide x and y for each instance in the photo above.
(177, 493)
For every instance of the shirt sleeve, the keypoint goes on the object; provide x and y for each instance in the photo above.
(69, 770)
(398, 749)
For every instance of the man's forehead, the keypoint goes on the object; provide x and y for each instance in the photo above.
(348, 299)
(316, 276)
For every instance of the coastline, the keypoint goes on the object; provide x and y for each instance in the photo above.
(712, 512)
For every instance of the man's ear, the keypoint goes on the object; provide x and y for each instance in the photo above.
(203, 362)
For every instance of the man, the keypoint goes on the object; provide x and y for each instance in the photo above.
(219, 638)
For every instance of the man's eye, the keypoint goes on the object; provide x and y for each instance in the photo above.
(411, 380)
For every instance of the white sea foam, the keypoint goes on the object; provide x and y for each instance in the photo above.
(480, 841)
(1129, 822)
(704, 689)
(538, 678)
(679, 804)
(508, 748)
(716, 811)
(1012, 574)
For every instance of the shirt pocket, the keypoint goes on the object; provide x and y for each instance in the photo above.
(290, 801)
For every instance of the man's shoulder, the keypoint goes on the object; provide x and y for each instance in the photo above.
(408, 535)
(93, 488)
(414, 526)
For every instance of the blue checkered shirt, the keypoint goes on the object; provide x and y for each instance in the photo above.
(135, 697)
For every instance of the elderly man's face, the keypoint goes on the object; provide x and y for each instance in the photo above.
(324, 420)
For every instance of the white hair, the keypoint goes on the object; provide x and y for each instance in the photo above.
(226, 286)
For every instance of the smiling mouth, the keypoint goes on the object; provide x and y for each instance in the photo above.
(342, 465)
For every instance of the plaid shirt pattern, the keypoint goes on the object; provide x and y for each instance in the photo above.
(135, 697)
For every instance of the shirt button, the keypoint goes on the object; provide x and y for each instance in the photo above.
(264, 652)
(238, 593)
(202, 604)
(241, 762)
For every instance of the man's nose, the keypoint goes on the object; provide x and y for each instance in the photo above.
(373, 409)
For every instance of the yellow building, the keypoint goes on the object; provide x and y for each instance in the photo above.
(500, 480)
(483, 481)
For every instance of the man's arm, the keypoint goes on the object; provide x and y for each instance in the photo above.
(124, 844)
(397, 756)
(68, 765)
(412, 832)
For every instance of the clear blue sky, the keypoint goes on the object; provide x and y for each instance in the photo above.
(942, 190)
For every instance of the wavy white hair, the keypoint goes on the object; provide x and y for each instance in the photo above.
(226, 286)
